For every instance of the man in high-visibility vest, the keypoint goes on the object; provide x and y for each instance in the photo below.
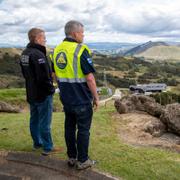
(74, 70)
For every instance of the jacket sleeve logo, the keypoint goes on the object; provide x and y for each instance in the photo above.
(24, 60)
(41, 61)
(61, 60)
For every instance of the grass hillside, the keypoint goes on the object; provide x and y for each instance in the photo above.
(10, 71)
(11, 51)
(125, 71)
(171, 53)
(17, 97)
(119, 71)
(143, 47)
(112, 154)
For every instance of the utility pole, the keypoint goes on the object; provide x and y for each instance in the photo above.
(105, 79)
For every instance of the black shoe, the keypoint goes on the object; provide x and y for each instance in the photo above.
(71, 162)
(53, 151)
(35, 148)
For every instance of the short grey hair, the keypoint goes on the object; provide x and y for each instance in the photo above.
(72, 26)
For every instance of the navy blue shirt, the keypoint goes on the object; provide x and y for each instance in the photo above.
(77, 93)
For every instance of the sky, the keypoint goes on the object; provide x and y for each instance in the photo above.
(133, 21)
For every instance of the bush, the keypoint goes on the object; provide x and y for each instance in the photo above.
(165, 98)
(169, 82)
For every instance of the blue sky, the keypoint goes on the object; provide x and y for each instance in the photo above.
(104, 20)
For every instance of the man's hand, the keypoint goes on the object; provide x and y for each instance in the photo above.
(92, 86)
(96, 104)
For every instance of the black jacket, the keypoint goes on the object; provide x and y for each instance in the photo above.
(37, 73)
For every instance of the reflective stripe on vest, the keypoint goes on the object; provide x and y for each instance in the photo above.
(75, 60)
(72, 80)
(72, 73)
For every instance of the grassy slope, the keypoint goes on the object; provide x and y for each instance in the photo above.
(10, 51)
(112, 155)
(13, 96)
(14, 51)
(161, 53)
(17, 96)
(175, 89)
(10, 74)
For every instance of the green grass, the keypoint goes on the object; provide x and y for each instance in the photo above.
(14, 95)
(175, 89)
(113, 156)
(17, 96)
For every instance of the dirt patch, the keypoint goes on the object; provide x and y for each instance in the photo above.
(119, 74)
(130, 128)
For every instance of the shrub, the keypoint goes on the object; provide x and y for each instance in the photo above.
(166, 98)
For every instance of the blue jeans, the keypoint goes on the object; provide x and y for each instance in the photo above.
(78, 118)
(40, 122)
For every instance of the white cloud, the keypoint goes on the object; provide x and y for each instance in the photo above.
(106, 20)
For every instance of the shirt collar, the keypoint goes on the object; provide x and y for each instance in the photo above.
(70, 39)
(37, 46)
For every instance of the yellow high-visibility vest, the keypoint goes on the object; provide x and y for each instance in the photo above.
(67, 65)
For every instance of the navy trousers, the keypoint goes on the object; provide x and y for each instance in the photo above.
(78, 118)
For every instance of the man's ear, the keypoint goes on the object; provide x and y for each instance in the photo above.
(74, 34)
(36, 40)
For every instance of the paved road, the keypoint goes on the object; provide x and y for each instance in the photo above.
(117, 95)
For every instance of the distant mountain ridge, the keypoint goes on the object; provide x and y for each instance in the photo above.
(143, 47)
(110, 48)
(96, 47)
(149, 50)
(109, 45)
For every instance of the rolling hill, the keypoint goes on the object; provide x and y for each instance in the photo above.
(10, 51)
(143, 47)
(155, 51)
(121, 70)
(161, 53)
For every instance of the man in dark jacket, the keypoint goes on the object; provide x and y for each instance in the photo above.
(39, 89)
